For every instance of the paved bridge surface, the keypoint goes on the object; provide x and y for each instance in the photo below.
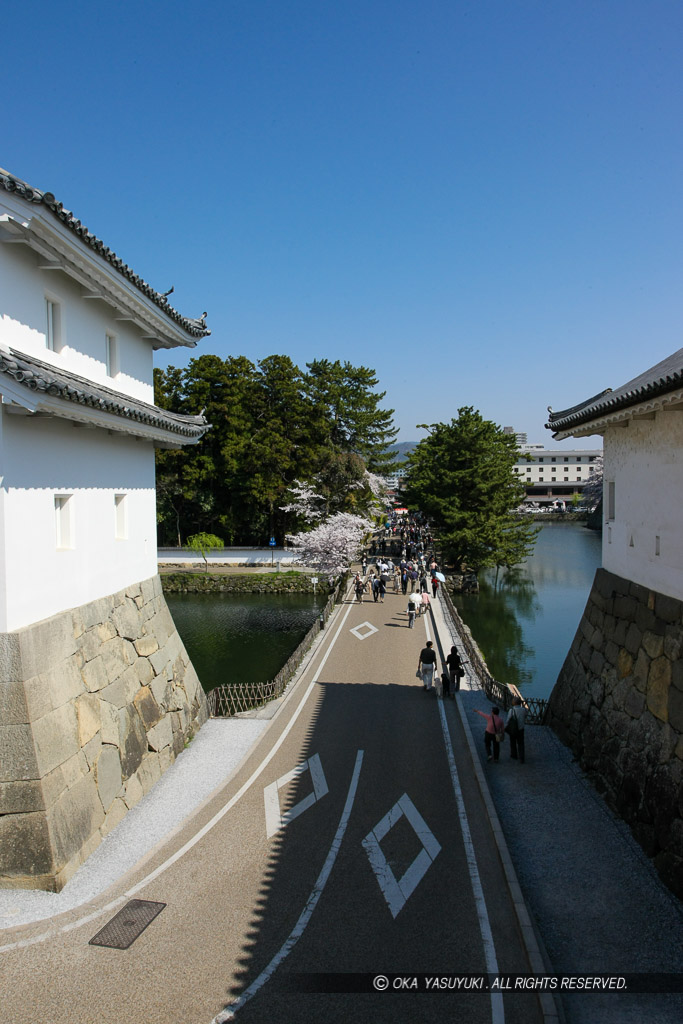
(355, 842)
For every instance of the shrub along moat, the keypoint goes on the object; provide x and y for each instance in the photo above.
(242, 583)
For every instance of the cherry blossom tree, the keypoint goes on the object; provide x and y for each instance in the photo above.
(331, 547)
(592, 491)
(304, 502)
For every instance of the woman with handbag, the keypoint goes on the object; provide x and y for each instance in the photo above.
(494, 734)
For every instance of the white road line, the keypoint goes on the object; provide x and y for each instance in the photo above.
(397, 891)
(275, 819)
(229, 1012)
(497, 1008)
(203, 831)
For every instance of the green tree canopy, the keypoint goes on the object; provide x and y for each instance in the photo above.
(271, 425)
(462, 477)
(346, 412)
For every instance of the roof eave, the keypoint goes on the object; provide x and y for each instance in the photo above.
(41, 214)
(669, 402)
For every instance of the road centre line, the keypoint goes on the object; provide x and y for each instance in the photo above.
(229, 1012)
(497, 1008)
(23, 943)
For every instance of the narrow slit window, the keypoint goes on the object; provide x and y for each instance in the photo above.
(53, 339)
(63, 522)
(111, 355)
(611, 500)
(120, 517)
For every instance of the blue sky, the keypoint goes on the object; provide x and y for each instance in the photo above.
(480, 200)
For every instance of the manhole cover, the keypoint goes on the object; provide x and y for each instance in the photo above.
(122, 931)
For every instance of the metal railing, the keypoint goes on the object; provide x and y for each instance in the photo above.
(497, 692)
(230, 699)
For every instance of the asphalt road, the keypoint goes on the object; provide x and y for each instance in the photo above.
(353, 841)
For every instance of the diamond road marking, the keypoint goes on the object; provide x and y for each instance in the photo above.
(275, 819)
(364, 625)
(398, 892)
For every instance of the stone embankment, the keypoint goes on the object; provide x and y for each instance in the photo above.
(101, 701)
(618, 703)
(216, 582)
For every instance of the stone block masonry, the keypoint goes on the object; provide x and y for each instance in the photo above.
(95, 704)
(618, 703)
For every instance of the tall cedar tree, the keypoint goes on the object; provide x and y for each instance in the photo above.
(462, 477)
(346, 412)
(270, 426)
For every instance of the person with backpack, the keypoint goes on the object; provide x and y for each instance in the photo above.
(514, 727)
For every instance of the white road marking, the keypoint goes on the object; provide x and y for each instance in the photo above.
(497, 1008)
(370, 630)
(203, 831)
(229, 1012)
(275, 819)
(397, 892)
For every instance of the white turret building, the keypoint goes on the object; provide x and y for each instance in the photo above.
(97, 695)
(619, 698)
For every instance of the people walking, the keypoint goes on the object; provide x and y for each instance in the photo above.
(411, 614)
(494, 733)
(435, 586)
(359, 587)
(514, 727)
(375, 588)
(455, 669)
(427, 664)
(424, 602)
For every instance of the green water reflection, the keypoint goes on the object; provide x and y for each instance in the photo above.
(525, 624)
(242, 638)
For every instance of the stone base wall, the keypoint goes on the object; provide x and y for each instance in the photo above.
(618, 703)
(95, 704)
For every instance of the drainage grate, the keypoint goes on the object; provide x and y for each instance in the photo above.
(122, 931)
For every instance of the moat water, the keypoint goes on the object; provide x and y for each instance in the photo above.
(242, 638)
(525, 624)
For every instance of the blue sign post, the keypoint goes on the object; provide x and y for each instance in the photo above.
(272, 553)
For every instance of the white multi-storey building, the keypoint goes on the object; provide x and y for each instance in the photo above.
(554, 474)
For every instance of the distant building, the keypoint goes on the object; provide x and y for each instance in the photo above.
(552, 474)
(394, 481)
(520, 437)
(618, 701)
(97, 695)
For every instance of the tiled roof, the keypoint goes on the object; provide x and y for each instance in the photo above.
(658, 380)
(194, 327)
(42, 377)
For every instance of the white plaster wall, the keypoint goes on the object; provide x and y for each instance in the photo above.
(41, 457)
(645, 461)
(85, 322)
